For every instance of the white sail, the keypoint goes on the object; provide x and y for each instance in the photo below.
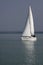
(31, 21)
(27, 29)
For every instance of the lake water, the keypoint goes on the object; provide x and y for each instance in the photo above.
(14, 51)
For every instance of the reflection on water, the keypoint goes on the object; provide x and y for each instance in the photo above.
(29, 52)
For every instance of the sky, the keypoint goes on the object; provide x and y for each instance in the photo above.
(14, 13)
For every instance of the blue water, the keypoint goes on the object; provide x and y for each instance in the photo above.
(14, 51)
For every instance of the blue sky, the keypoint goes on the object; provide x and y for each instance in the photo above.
(14, 13)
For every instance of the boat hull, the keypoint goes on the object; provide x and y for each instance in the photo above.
(29, 38)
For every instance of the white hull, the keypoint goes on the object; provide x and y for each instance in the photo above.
(29, 38)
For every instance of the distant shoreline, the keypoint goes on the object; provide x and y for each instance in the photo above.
(16, 32)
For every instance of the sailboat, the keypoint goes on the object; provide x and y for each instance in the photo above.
(29, 33)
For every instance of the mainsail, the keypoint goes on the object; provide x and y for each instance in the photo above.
(31, 21)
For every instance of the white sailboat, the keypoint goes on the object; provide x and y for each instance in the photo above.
(28, 33)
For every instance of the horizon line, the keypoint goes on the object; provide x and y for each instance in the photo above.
(15, 32)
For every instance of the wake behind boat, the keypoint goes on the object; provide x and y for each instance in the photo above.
(28, 33)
